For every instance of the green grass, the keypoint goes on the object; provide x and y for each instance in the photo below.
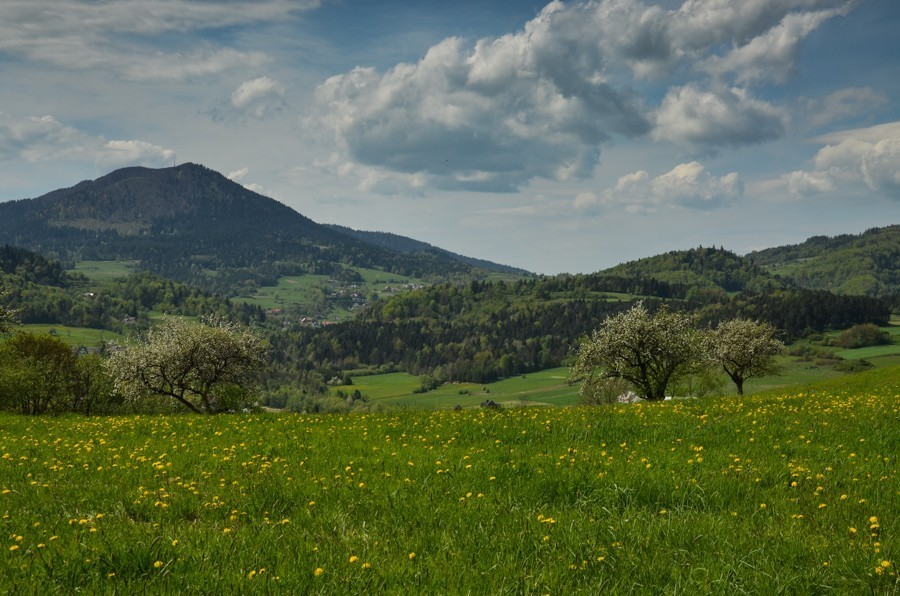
(75, 336)
(105, 271)
(547, 387)
(790, 492)
(308, 292)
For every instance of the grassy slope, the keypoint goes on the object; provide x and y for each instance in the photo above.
(791, 492)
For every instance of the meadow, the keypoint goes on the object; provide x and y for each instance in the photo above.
(791, 491)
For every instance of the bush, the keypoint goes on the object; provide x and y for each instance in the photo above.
(861, 336)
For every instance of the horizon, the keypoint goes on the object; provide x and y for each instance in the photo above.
(561, 137)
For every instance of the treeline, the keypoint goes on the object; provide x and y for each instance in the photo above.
(484, 331)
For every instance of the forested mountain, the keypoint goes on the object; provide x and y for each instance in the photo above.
(865, 264)
(194, 225)
(410, 246)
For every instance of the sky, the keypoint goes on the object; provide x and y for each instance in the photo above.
(561, 137)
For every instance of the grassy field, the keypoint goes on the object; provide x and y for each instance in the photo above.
(102, 272)
(309, 292)
(795, 491)
(547, 387)
(74, 336)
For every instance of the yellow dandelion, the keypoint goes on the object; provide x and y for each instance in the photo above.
(366, 565)
(412, 556)
(319, 571)
(157, 564)
(354, 559)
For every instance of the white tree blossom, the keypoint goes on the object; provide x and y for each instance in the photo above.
(208, 367)
(745, 349)
(647, 350)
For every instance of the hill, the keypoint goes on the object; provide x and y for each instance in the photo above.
(702, 269)
(863, 264)
(194, 225)
(409, 246)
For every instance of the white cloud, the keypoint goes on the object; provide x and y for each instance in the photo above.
(851, 158)
(881, 167)
(251, 92)
(257, 99)
(116, 154)
(843, 103)
(115, 35)
(542, 102)
(687, 185)
(807, 183)
(488, 117)
(238, 175)
(771, 55)
(705, 121)
(43, 138)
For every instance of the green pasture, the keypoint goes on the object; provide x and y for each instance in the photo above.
(794, 491)
(105, 271)
(310, 292)
(547, 387)
(74, 336)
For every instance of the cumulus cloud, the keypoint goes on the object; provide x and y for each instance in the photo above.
(488, 117)
(864, 156)
(44, 138)
(771, 55)
(687, 185)
(255, 99)
(258, 97)
(541, 102)
(761, 34)
(107, 34)
(706, 120)
(807, 183)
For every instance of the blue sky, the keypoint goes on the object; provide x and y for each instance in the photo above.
(561, 137)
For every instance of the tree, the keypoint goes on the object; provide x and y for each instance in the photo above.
(8, 317)
(208, 367)
(647, 350)
(37, 374)
(745, 349)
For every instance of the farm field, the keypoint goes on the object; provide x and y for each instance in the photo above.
(546, 387)
(792, 491)
(74, 336)
(310, 293)
(102, 272)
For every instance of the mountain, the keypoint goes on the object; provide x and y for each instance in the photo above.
(864, 264)
(192, 224)
(409, 246)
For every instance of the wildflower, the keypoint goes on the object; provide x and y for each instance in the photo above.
(353, 559)
(319, 571)
(412, 556)
(366, 565)
(14, 547)
(157, 564)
